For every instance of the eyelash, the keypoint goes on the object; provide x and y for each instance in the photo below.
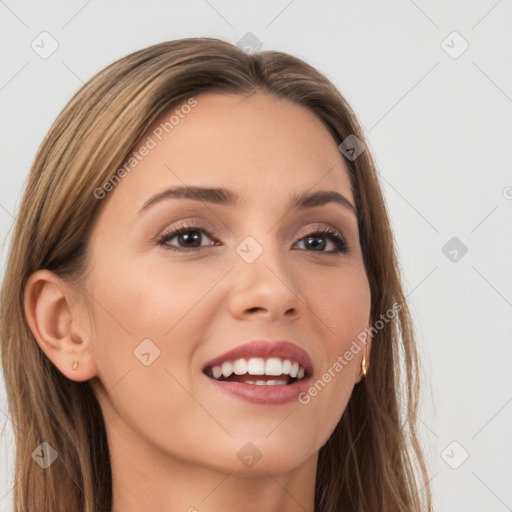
(338, 240)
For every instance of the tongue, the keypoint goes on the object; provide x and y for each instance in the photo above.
(246, 377)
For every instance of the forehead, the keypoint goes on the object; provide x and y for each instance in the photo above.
(264, 148)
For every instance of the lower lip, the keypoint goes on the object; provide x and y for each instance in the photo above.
(263, 395)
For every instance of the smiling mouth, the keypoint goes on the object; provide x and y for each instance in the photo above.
(258, 371)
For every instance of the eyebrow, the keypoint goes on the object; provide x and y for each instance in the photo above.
(225, 197)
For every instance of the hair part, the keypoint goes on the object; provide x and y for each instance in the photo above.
(372, 460)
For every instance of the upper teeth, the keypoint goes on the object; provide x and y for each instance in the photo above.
(259, 366)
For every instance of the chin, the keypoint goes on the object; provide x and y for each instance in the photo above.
(265, 455)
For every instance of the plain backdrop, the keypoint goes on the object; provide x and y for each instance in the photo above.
(431, 83)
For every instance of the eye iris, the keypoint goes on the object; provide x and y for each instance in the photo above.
(311, 240)
(186, 237)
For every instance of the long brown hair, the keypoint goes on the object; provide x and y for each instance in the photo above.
(371, 462)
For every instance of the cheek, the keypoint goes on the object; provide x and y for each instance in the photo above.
(140, 301)
(143, 343)
(344, 303)
(148, 318)
(343, 306)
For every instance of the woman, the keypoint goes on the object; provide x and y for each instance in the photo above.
(202, 308)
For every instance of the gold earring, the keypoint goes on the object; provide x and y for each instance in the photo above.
(363, 365)
(75, 365)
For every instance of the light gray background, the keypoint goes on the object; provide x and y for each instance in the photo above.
(440, 130)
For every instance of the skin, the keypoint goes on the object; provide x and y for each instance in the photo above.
(173, 437)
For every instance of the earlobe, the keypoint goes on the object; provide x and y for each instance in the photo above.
(54, 320)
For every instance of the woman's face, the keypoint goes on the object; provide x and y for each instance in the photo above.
(166, 306)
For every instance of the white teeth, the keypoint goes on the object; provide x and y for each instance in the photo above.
(227, 369)
(217, 371)
(273, 366)
(256, 366)
(275, 383)
(266, 382)
(240, 366)
(259, 366)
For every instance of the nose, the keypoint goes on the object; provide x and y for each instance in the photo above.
(266, 288)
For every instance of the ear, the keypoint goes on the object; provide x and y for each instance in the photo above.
(58, 323)
(365, 352)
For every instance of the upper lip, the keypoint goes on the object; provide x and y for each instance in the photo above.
(263, 348)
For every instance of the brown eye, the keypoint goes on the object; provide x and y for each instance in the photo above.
(187, 237)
